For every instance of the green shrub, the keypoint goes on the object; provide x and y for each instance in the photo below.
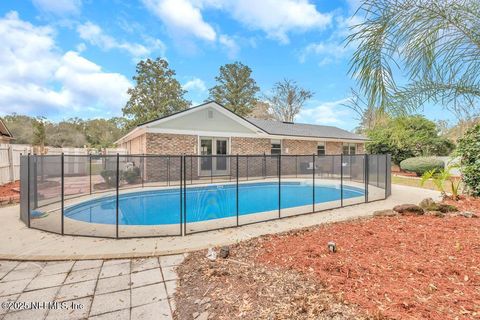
(469, 151)
(420, 165)
(110, 177)
(131, 175)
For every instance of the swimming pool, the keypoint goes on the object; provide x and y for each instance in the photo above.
(162, 206)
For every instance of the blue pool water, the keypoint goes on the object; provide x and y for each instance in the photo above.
(203, 203)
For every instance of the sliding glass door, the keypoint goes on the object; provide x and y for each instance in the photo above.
(218, 165)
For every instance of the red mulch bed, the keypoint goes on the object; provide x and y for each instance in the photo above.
(398, 267)
(7, 189)
(10, 193)
(465, 203)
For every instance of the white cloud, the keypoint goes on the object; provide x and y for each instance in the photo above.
(335, 48)
(182, 17)
(274, 17)
(93, 34)
(59, 7)
(278, 17)
(326, 113)
(230, 45)
(37, 78)
(195, 84)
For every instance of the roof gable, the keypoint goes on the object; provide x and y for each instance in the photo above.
(206, 117)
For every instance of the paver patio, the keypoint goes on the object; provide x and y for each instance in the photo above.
(139, 288)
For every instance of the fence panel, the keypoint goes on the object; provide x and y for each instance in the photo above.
(208, 206)
(151, 211)
(328, 190)
(259, 200)
(92, 214)
(353, 190)
(297, 188)
(46, 193)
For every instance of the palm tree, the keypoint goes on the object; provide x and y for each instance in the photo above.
(416, 51)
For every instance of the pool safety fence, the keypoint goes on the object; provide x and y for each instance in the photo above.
(128, 196)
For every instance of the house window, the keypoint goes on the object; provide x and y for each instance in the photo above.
(349, 148)
(321, 149)
(276, 147)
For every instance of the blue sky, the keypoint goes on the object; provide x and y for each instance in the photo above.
(76, 58)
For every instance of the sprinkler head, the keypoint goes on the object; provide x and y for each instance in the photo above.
(332, 247)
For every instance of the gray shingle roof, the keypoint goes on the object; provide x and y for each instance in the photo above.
(304, 130)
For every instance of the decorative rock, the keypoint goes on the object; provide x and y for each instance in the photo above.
(332, 247)
(408, 208)
(211, 254)
(436, 214)
(195, 315)
(205, 300)
(428, 204)
(207, 306)
(446, 208)
(468, 214)
(197, 301)
(384, 213)
(224, 252)
(203, 316)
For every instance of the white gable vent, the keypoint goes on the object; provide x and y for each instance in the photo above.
(209, 114)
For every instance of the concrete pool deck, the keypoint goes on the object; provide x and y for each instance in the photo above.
(18, 242)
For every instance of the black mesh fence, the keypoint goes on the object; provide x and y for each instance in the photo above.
(125, 196)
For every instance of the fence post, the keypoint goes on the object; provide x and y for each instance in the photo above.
(90, 170)
(237, 189)
(296, 166)
(313, 184)
(279, 185)
(185, 195)
(63, 190)
(143, 170)
(386, 179)
(365, 169)
(118, 182)
(341, 179)
(181, 195)
(247, 167)
(28, 188)
(11, 164)
(168, 170)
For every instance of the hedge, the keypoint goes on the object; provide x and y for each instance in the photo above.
(469, 151)
(420, 165)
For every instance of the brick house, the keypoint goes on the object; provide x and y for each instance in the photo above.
(211, 129)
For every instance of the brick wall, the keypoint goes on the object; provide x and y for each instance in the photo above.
(250, 145)
(333, 147)
(299, 146)
(171, 144)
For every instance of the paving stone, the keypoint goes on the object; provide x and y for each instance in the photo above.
(112, 270)
(76, 290)
(21, 274)
(171, 287)
(56, 267)
(6, 267)
(26, 315)
(41, 282)
(173, 305)
(115, 261)
(87, 264)
(80, 311)
(144, 264)
(146, 277)
(31, 265)
(154, 311)
(12, 287)
(173, 260)
(82, 275)
(10, 298)
(116, 315)
(108, 302)
(113, 284)
(148, 294)
(42, 295)
(169, 273)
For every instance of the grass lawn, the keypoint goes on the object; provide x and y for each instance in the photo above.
(415, 182)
